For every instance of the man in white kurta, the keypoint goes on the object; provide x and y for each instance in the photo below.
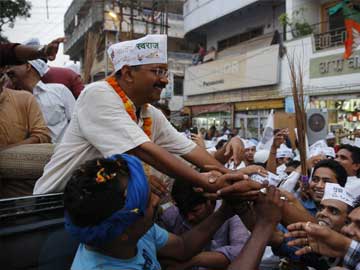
(101, 124)
(101, 127)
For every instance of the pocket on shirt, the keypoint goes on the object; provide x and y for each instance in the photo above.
(53, 114)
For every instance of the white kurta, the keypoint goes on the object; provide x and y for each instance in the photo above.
(101, 127)
(57, 104)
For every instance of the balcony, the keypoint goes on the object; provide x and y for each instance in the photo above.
(331, 39)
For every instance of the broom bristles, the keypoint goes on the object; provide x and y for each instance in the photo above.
(297, 88)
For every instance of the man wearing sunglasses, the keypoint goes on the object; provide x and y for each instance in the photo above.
(116, 116)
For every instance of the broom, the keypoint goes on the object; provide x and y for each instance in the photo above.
(297, 87)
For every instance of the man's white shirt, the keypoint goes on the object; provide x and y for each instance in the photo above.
(101, 127)
(57, 104)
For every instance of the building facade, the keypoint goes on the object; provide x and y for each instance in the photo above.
(240, 84)
(250, 73)
(331, 83)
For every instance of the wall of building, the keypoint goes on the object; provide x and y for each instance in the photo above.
(257, 15)
(201, 12)
(303, 50)
(311, 11)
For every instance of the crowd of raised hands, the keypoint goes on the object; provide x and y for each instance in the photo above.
(272, 199)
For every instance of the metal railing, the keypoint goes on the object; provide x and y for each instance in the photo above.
(333, 38)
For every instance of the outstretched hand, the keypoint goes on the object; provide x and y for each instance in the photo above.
(318, 239)
(52, 48)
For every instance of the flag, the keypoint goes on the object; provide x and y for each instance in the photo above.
(352, 26)
(268, 134)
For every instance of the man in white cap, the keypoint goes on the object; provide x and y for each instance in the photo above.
(55, 100)
(250, 149)
(283, 155)
(334, 207)
(116, 116)
(331, 139)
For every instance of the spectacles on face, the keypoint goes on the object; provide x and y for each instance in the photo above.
(159, 72)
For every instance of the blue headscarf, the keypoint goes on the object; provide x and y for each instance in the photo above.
(135, 206)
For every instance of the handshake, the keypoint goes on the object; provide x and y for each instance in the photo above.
(251, 189)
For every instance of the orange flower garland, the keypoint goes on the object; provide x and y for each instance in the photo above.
(129, 106)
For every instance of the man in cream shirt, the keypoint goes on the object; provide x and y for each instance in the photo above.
(115, 116)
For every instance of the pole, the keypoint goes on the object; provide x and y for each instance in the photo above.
(120, 21)
(167, 17)
(105, 55)
(131, 20)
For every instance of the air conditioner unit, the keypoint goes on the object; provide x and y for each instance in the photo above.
(317, 125)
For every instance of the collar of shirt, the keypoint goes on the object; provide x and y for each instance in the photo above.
(39, 87)
(352, 178)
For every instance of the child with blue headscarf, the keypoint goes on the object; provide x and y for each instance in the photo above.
(110, 209)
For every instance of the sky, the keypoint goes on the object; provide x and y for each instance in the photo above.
(40, 26)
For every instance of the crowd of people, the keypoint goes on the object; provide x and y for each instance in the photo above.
(138, 194)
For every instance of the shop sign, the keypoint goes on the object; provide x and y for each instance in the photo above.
(252, 69)
(259, 105)
(334, 65)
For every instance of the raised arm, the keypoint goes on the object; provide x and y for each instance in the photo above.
(268, 208)
(279, 138)
(49, 51)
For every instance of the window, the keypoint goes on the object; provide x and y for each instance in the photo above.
(333, 22)
(333, 32)
(178, 86)
(234, 40)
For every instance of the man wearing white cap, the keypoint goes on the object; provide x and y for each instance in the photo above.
(115, 116)
(55, 100)
(331, 139)
(250, 149)
(283, 155)
(334, 207)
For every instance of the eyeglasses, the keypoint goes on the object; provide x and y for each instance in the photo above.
(159, 72)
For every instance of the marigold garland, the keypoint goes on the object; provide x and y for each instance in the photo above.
(129, 106)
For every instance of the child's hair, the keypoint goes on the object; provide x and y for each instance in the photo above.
(185, 197)
(96, 190)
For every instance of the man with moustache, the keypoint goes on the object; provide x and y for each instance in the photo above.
(333, 210)
(115, 116)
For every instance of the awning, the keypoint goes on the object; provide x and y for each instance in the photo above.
(196, 110)
(260, 105)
